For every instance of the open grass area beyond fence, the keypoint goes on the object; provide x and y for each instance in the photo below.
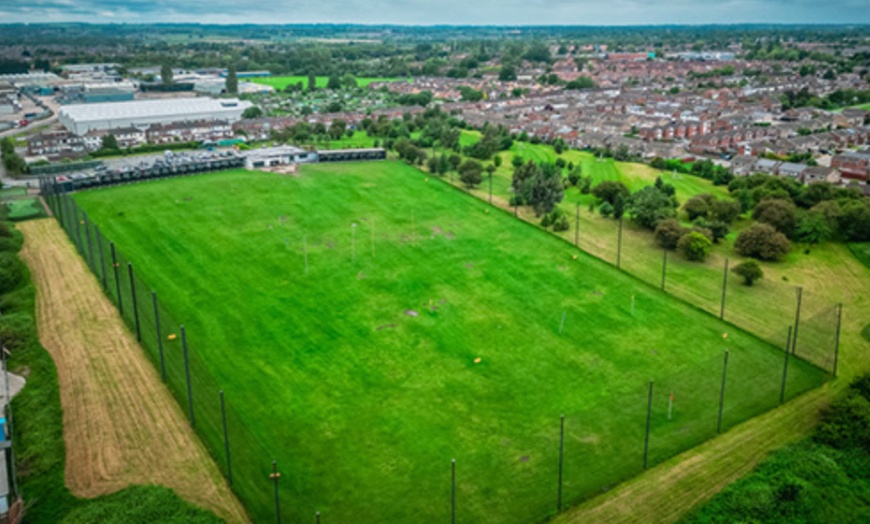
(281, 82)
(367, 324)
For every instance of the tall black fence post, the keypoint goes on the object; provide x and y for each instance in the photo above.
(102, 257)
(117, 279)
(135, 302)
(317, 518)
(722, 392)
(561, 460)
(724, 290)
(577, 227)
(797, 320)
(619, 245)
(664, 266)
(275, 476)
(785, 366)
(453, 491)
(88, 238)
(648, 421)
(837, 337)
(78, 227)
(159, 336)
(226, 440)
(187, 375)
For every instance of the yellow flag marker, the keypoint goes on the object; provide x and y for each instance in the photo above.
(477, 360)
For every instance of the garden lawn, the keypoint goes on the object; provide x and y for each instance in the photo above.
(281, 82)
(436, 328)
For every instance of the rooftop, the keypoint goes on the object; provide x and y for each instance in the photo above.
(172, 107)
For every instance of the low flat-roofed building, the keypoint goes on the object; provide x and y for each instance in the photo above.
(80, 119)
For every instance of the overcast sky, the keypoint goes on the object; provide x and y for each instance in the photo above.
(428, 12)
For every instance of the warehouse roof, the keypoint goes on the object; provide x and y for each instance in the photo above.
(163, 108)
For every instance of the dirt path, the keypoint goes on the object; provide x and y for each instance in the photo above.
(121, 425)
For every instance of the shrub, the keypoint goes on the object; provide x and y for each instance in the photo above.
(750, 271)
(11, 272)
(695, 246)
(606, 210)
(668, 233)
(763, 242)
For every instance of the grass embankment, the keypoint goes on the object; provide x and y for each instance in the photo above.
(366, 368)
(38, 430)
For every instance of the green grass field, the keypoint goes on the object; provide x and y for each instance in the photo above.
(281, 82)
(361, 377)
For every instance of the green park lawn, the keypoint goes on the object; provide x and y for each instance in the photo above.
(281, 82)
(428, 326)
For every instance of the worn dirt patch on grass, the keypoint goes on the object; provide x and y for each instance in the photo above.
(121, 425)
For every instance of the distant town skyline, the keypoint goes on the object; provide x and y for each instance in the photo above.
(455, 12)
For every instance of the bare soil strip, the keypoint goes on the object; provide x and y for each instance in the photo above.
(121, 424)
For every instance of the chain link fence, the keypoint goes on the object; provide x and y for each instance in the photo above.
(566, 460)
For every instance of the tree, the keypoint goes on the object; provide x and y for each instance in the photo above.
(854, 220)
(470, 173)
(668, 233)
(695, 246)
(348, 81)
(781, 214)
(609, 189)
(334, 82)
(337, 128)
(252, 112)
(813, 228)
(750, 271)
(166, 73)
(763, 242)
(312, 82)
(109, 142)
(698, 206)
(507, 73)
(232, 81)
(649, 205)
(538, 185)
(455, 160)
(725, 211)
(496, 160)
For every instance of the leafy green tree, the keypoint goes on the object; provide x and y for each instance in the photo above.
(668, 233)
(109, 142)
(470, 173)
(854, 220)
(166, 74)
(252, 112)
(333, 83)
(763, 242)
(507, 73)
(695, 246)
(312, 82)
(649, 206)
(337, 128)
(496, 160)
(232, 84)
(725, 211)
(749, 271)
(609, 189)
(781, 214)
(538, 185)
(455, 160)
(698, 206)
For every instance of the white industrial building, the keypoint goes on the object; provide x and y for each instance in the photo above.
(80, 119)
